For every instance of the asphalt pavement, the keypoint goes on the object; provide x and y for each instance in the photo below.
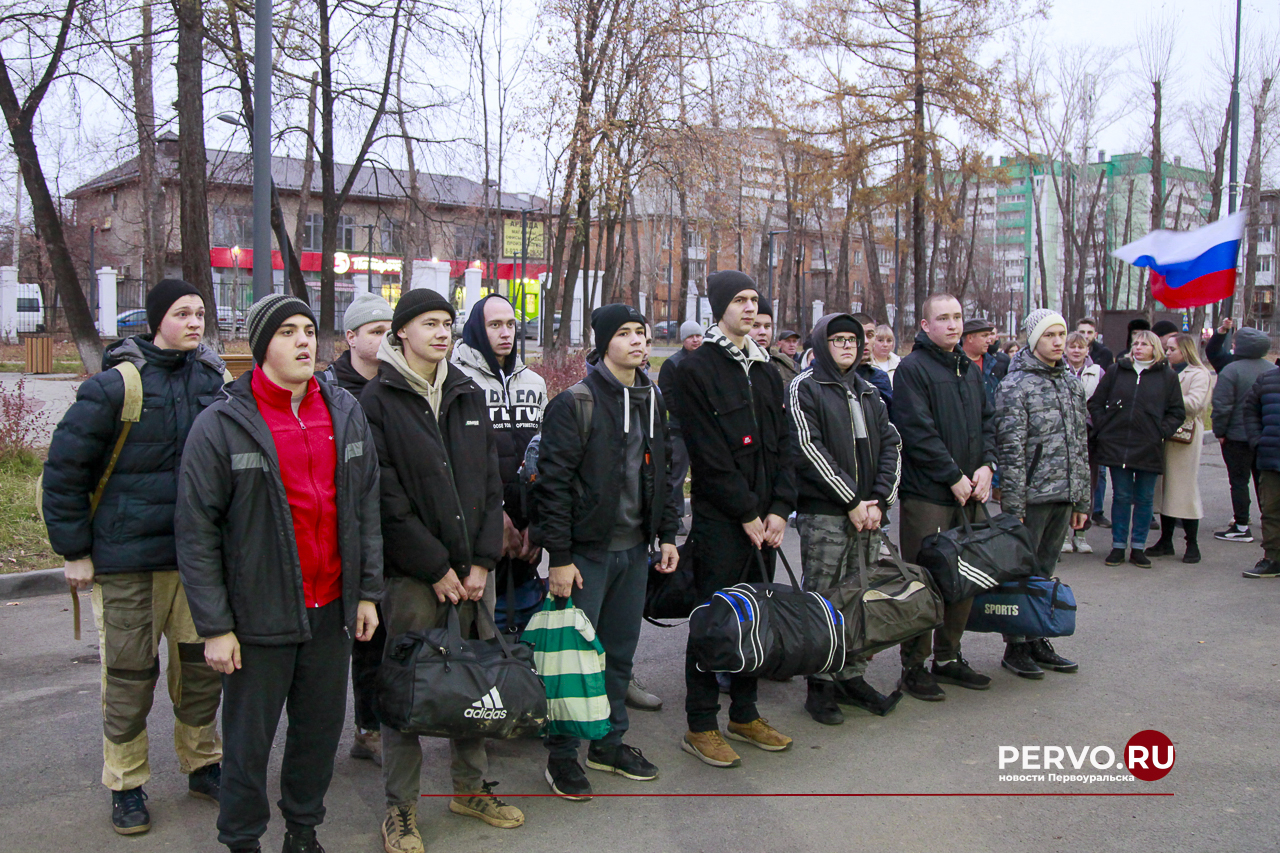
(1189, 650)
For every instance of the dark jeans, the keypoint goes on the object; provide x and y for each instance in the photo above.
(920, 519)
(679, 470)
(1132, 494)
(1239, 458)
(307, 680)
(365, 660)
(1269, 509)
(721, 550)
(1099, 485)
(1049, 524)
(612, 596)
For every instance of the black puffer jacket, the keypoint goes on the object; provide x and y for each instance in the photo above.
(1262, 420)
(133, 528)
(1134, 413)
(667, 384)
(835, 470)
(343, 373)
(239, 554)
(578, 484)
(441, 494)
(947, 424)
(733, 418)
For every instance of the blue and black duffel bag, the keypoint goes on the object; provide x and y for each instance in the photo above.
(1027, 607)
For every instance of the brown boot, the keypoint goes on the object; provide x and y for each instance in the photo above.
(367, 745)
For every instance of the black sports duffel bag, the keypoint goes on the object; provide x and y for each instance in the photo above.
(435, 683)
(978, 555)
(767, 630)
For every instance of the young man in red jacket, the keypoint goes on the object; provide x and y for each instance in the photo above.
(282, 563)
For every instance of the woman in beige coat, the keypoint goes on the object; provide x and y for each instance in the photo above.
(1178, 494)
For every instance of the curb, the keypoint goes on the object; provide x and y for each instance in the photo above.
(31, 584)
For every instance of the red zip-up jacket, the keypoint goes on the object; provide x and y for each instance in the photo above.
(308, 462)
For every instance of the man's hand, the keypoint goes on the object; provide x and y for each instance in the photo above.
(1227, 325)
(670, 557)
(223, 653)
(475, 582)
(774, 527)
(79, 573)
(529, 552)
(755, 531)
(962, 489)
(982, 484)
(874, 516)
(860, 517)
(1079, 520)
(511, 538)
(366, 620)
(1222, 441)
(562, 579)
(449, 587)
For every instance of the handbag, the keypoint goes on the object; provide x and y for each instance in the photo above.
(519, 602)
(570, 659)
(435, 683)
(888, 606)
(1029, 607)
(674, 595)
(1185, 433)
(978, 555)
(767, 630)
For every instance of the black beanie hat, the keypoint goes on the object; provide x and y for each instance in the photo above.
(723, 286)
(844, 324)
(161, 298)
(766, 307)
(417, 302)
(266, 315)
(607, 319)
(1165, 327)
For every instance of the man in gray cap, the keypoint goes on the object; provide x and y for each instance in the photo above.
(366, 322)
(974, 340)
(691, 339)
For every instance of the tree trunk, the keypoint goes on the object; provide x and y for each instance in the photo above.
(144, 113)
(309, 167)
(918, 165)
(1252, 178)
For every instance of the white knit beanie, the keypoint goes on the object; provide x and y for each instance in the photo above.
(1038, 321)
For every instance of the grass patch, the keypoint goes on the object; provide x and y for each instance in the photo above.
(58, 366)
(24, 545)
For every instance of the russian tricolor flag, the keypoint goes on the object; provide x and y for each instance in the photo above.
(1190, 268)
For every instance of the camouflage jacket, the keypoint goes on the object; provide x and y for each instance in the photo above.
(1041, 437)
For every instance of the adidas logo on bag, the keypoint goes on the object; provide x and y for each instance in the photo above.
(489, 707)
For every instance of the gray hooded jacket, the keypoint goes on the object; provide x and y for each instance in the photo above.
(1235, 380)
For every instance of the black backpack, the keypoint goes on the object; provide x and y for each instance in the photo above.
(584, 406)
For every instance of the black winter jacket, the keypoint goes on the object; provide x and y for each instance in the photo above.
(133, 528)
(342, 372)
(834, 471)
(239, 558)
(735, 423)
(667, 384)
(1133, 414)
(947, 424)
(577, 485)
(1262, 420)
(441, 493)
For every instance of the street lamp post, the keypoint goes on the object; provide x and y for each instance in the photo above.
(773, 234)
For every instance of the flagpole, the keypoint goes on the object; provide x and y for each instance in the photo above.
(1235, 134)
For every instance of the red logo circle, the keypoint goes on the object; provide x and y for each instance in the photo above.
(1149, 755)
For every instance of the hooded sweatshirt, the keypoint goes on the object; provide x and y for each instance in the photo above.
(638, 407)
(432, 391)
(1234, 381)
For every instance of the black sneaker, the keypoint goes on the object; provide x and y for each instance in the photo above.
(1138, 557)
(301, 839)
(1043, 654)
(1017, 659)
(1235, 533)
(1101, 521)
(1115, 558)
(1264, 569)
(626, 761)
(857, 692)
(959, 672)
(1161, 549)
(205, 783)
(820, 702)
(567, 780)
(919, 682)
(129, 815)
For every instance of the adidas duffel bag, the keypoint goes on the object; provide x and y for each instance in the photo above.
(767, 630)
(978, 555)
(435, 683)
(1028, 607)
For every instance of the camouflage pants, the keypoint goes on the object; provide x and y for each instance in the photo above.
(827, 555)
(132, 612)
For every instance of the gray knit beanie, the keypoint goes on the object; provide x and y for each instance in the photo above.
(365, 308)
(690, 327)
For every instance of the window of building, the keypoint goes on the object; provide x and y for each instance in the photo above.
(472, 241)
(1262, 234)
(857, 256)
(232, 226)
(312, 231)
(392, 231)
(1264, 263)
(346, 233)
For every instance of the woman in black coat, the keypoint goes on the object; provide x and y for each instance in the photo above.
(1137, 406)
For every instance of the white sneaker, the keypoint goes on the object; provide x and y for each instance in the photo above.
(1082, 544)
(1067, 547)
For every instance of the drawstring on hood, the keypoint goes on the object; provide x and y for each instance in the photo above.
(642, 384)
(431, 391)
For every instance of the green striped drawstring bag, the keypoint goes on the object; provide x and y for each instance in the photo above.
(570, 660)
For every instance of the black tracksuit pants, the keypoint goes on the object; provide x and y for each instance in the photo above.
(365, 660)
(307, 680)
(721, 550)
